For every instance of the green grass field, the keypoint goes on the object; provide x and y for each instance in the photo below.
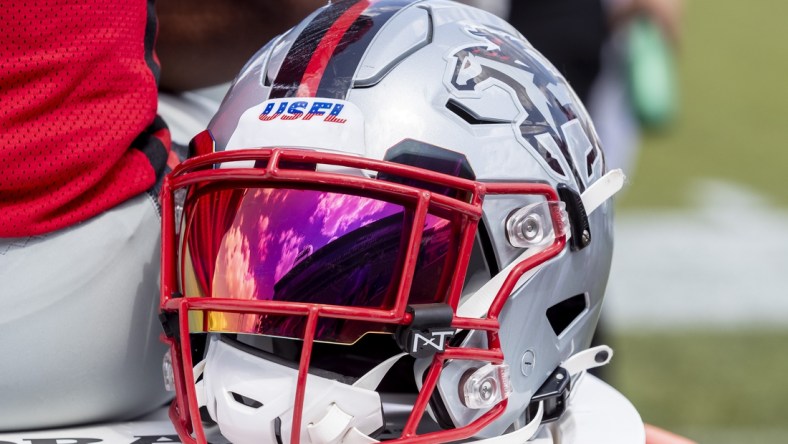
(717, 387)
(707, 385)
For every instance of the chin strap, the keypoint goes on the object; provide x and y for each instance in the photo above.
(588, 359)
(478, 304)
(199, 386)
(333, 427)
(354, 436)
(603, 189)
(577, 364)
(557, 391)
(371, 380)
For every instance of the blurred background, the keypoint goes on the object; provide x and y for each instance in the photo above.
(697, 307)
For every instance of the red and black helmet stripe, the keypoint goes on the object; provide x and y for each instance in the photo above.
(322, 60)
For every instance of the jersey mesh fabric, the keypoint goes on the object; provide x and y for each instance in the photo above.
(78, 126)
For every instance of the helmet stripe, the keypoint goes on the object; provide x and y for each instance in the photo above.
(325, 50)
(334, 51)
(295, 63)
(337, 78)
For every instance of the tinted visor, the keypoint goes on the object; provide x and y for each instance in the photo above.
(306, 246)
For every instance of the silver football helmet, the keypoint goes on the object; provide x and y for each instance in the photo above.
(396, 227)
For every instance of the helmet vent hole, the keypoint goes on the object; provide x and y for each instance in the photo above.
(249, 402)
(563, 314)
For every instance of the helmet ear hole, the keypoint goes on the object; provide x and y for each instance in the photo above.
(564, 313)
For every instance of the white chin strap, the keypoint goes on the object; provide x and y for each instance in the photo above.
(587, 359)
(603, 189)
(477, 305)
(251, 400)
(334, 413)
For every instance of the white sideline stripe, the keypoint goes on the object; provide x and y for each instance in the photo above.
(722, 264)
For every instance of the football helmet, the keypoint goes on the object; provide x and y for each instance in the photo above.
(396, 227)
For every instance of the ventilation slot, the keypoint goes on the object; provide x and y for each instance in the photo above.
(467, 116)
(249, 402)
(564, 313)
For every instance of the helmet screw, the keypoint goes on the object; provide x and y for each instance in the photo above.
(531, 227)
(169, 372)
(586, 237)
(487, 389)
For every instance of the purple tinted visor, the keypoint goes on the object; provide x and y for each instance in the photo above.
(307, 246)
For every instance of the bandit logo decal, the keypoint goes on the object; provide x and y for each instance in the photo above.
(550, 124)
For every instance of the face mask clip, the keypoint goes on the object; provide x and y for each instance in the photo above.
(170, 324)
(429, 332)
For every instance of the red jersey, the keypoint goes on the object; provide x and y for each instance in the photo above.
(78, 126)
